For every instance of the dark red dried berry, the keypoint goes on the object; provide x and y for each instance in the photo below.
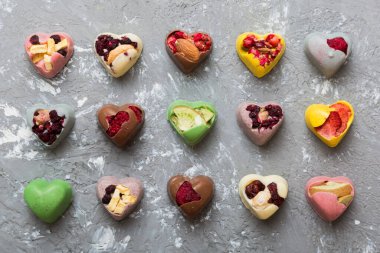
(338, 43)
(115, 122)
(35, 40)
(275, 198)
(254, 188)
(106, 199)
(134, 44)
(63, 52)
(110, 189)
(125, 40)
(56, 38)
(186, 194)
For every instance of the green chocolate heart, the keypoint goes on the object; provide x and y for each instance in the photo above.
(48, 200)
(191, 120)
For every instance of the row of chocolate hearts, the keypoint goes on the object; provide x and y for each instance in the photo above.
(192, 121)
(118, 53)
(262, 195)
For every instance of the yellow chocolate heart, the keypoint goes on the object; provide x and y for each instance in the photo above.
(316, 116)
(253, 61)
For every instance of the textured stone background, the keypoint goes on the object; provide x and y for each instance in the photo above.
(158, 153)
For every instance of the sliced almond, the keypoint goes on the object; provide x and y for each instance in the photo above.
(50, 46)
(37, 57)
(188, 49)
(60, 45)
(38, 49)
(118, 50)
(47, 60)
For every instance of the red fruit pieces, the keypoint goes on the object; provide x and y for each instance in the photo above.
(272, 114)
(186, 194)
(34, 40)
(172, 38)
(115, 122)
(264, 50)
(137, 112)
(254, 188)
(337, 121)
(275, 198)
(338, 43)
(202, 41)
(47, 125)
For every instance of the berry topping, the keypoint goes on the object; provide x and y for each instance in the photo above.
(115, 122)
(137, 112)
(264, 50)
(186, 194)
(275, 198)
(110, 189)
(35, 40)
(106, 43)
(47, 125)
(337, 121)
(201, 40)
(338, 43)
(56, 38)
(106, 199)
(264, 117)
(254, 188)
(63, 52)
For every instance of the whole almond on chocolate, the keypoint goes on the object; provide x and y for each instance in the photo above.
(188, 49)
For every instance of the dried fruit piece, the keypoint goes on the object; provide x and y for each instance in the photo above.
(275, 198)
(186, 118)
(338, 43)
(56, 38)
(137, 112)
(38, 49)
(265, 117)
(48, 63)
(265, 50)
(337, 121)
(118, 50)
(339, 189)
(254, 188)
(37, 57)
(61, 45)
(34, 40)
(186, 194)
(115, 122)
(188, 49)
(50, 46)
(47, 125)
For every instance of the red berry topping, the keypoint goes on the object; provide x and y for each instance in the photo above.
(275, 198)
(137, 112)
(271, 115)
(254, 188)
(248, 42)
(48, 130)
(337, 121)
(35, 40)
(56, 38)
(265, 50)
(338, 43)
(186, 194)
(115, 122)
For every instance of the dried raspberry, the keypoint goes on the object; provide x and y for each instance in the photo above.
(275, 198)
(125, 40)
(338, 43)
(115, 122)
(197, 37)
(186, 194)
(56, 38)
(137, 112)
(248, 42)
(35, 40)
(180, 35)
(254, 188)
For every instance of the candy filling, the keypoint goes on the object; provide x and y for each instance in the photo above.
(117, 197)
(110, 48)
(341, 190)
(265, 50)
(186, 118)
(264, 117)
(116, 121)
(338, 43)
(337, 121)
(201, 40)
(263, 196)
(47, 125)
(186, 194)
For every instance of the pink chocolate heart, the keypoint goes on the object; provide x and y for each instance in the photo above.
(326, 204)
(259, 136)
(58, 61)
(133, 184)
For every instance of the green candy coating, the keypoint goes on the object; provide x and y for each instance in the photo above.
(48, 200)
(195, 134)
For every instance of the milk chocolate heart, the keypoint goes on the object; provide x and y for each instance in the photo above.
(118, 53)
(260, 53)
(119, 196)
(50, 124)
(48, 200)
(329, 197)
(188, 50)
(191, 195)
(328, 52)
(330, 123)
(49, 53)
(259, 121)
(191, 120)
(263, 195)
(121, 123)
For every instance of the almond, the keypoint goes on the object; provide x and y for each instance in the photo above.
(188, 49)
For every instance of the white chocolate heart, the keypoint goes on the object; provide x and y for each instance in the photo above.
(259, 205)
(125, 58)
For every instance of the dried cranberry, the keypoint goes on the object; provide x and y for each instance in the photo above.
(248, 42)
(115, 122)
(35, 40)
(112, 44)
(338, 43)
(254, 188)
(105, 57)
(137, 112)
(180, 35)
(56, 129)
(63, 52)
(186, 194)
(259, 44)
(125, 40)
(110, 189)
(36, 113)
(106, 199)
(45, 137)
(134, 44)
(56, 38)
(52, 139)
(275, 198)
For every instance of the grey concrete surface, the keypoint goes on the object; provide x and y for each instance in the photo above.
(158, 153)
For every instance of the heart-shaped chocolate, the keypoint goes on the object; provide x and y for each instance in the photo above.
(118, 53)
(121, 123)
(263, 195)
(330, 123)
(191, 195)
(49, 53)
(50, 124)
(48, 200)
(188, 50)
(119, 196)
(191, 120)
(259, 121)
(329, 197)
(328, 52)
(260, 53)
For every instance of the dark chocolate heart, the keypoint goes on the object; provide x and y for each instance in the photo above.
(200, 189)
(188, 50)
(121, 123)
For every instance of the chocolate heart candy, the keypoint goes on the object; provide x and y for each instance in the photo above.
(330, 123)
(260, 53)
(191, 120)
(48, 200)
(50, 124)
(329, 197)
(118, 53)
(119, 196)
(263, 195)
(259, 121)
(328, 52)
(49, 53)
(188, 50)
(191, 195)
(121, 123)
